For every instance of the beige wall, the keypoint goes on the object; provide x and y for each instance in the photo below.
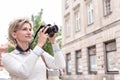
(103, 29)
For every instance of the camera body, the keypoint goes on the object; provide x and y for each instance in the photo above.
(51, 30)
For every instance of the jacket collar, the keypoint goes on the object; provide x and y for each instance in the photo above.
(17, 52)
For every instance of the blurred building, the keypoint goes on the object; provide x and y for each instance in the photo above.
(91, 39)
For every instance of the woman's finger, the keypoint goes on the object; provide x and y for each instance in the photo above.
(41, 30)
(45, 29)
(46, 34)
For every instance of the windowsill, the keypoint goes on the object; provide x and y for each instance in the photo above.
(68, 36)
(93, 72)
(77, 31)
(106, 15)
(68, 73)
(89, 24)
(112, 72)
(79, 73)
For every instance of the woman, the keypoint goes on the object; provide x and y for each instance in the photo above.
(24, 63)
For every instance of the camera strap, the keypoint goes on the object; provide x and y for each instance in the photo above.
(35, 36)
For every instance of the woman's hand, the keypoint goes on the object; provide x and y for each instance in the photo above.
(42, 37)
(52, 39)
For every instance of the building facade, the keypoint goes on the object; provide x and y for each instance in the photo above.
(91, 39)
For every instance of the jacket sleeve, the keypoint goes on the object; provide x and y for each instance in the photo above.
(18, 67)
(56, 62)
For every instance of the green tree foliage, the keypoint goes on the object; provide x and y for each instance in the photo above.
(10, 48)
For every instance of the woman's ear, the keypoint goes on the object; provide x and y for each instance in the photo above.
(14, 35)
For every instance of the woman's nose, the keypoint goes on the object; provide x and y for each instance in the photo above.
(29, 31)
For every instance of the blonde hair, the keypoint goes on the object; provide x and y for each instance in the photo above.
(16, 25)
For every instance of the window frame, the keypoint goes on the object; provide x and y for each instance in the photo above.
(89, 63)
(77, 20)
(106, 57)
(107, 7)
(67, 2)
(76, 60)
(68, 58)
(67, 28)
(90, 10)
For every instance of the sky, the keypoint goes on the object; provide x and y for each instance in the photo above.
(12, 9)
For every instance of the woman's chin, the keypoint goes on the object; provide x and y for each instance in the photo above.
(28, 41)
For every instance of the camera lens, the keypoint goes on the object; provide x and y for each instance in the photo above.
(55, 28)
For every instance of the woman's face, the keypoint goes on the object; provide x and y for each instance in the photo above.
(24, 34)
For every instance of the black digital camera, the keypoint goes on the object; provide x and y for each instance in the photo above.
(51, 29)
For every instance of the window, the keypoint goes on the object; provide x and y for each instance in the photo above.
(77, 21)
(92, 59)
(111, 57)
(66, 4)
(67, 28)
(78, 62)
(68, 62)
(107, 7)
(90, 12)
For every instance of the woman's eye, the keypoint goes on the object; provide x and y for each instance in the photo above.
(30, 29)
(24, 29)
